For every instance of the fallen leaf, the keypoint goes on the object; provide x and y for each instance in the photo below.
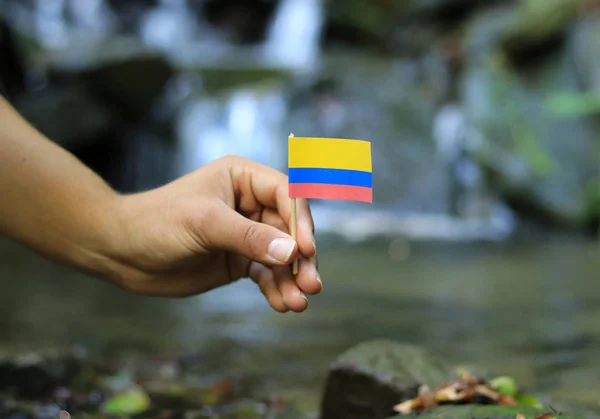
(507, 401)
(405, 407)
(487, 392)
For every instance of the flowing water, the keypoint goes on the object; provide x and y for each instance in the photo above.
(529, 309)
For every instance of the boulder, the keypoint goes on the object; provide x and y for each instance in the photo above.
(400, 26)
(368, 380)
(12, 70)
(122, 72)
(539, 25)
(539, 159)
(71, 116)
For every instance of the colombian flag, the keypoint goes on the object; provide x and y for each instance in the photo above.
(330, 168)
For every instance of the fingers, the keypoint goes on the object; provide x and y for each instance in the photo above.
(225, 229)
(308, 279)
(292, 297)
(264, 278)
(279, 288)
(255, 182)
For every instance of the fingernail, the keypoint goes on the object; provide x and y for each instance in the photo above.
(319, 279)
(281, 249)
(314, 244)
(304, 296)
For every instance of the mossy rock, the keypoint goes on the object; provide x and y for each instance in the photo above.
(482, 412)
(537, 21)
(369, 379)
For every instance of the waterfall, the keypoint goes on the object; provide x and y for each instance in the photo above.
(246, 123)
(169, 27)
(50, 24)
(294, 34)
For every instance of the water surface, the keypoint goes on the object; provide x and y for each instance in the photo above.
(527, 309)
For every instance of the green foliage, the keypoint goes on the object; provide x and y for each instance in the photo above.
(525, 141)
(130, 402)
(526, 400)
(573, 104)
(593, 197)
(506, 386)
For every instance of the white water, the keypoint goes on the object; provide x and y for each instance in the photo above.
(294, 34)
(247, 123)
(168, 27)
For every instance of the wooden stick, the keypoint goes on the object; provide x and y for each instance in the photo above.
(294, 227)
(294, 224)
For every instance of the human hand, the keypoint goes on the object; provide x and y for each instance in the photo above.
(225, 221)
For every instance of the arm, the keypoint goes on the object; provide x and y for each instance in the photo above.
(225, 221)
(50, 201)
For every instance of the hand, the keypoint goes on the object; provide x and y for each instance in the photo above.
(227, 220)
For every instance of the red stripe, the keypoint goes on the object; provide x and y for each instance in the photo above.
(323, 191)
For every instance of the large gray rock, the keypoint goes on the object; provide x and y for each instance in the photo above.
(122, 72)
(403, 27)
(367, 381)
(539, 160)
(72, 116)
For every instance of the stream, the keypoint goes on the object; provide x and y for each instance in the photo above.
(526, 309)
(411, 267)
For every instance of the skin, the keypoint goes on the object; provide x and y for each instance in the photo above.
(199, 232)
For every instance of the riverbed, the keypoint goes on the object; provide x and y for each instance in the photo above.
(526, 308)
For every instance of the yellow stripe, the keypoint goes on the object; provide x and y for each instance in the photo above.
(329, 153)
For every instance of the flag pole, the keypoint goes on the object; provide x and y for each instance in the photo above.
(294, 224)
(294, 227)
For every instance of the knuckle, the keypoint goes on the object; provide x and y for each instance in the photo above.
(252, 236)
(197, 223)
(232, 159)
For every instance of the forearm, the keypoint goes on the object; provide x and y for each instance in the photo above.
(50, 201)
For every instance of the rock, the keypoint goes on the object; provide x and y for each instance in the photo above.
(518, 136)
(113, 73)
(483, 412)
(394, 107)
(30, 381)
(12, 70)
(71, 116)
(244, 21)
(400, 26)
(371, 378)
(539, 25)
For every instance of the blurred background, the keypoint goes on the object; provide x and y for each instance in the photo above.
(482, 242)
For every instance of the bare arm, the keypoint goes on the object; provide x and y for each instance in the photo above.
(50, 201)
(225, 221)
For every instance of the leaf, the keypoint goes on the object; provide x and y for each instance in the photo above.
(573, 104)
(526, 400)
(130, 402)
(520, 416)
(504, 385)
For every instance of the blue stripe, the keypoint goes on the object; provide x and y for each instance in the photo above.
(331, 177)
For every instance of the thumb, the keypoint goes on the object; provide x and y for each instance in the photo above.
(259, 242)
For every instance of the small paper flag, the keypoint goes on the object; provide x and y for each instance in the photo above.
(330, 168)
